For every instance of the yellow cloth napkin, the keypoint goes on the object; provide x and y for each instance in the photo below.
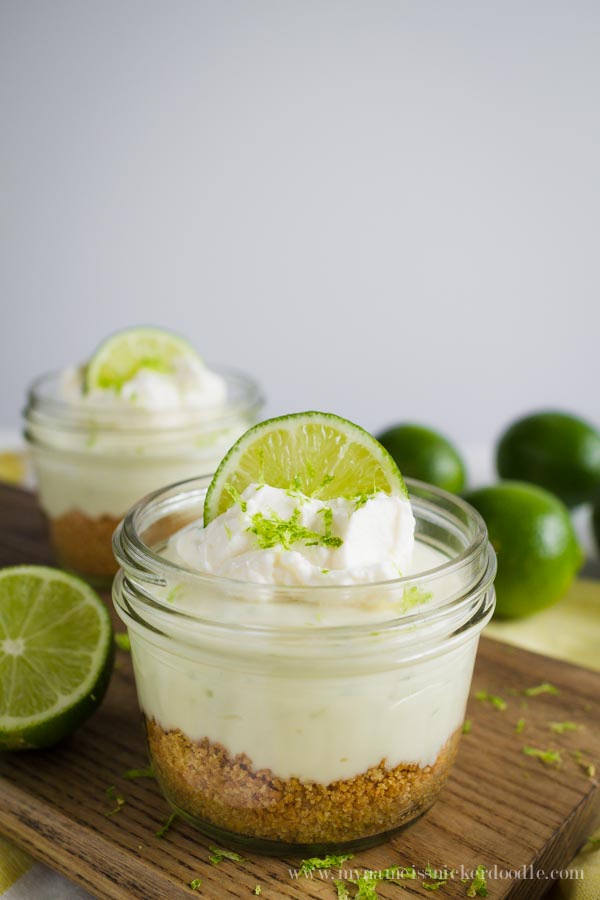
(13, 864)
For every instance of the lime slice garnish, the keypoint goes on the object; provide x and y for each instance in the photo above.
(319, 454)
(122, 355)
(56, 653)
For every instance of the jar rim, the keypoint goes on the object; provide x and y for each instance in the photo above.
(43, 408)
(136, 558)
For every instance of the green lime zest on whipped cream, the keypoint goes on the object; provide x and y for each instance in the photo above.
(274, 531)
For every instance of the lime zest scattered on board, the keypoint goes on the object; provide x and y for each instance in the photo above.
(196, 884)
(325, 862)
(544, 688)
(520, 726)
(478, 887)
(162, 831)
(588, 767)
(116, 798)
(467, 726)
(548, 757)
(342, 890)
(495, 701)
(148, 772)
(218, 855)
(561, 727)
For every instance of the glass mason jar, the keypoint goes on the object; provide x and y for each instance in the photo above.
(93, 463)
(299, 737)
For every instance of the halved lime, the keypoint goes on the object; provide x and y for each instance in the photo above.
(56, 654)
(123, 354)
(319, 454)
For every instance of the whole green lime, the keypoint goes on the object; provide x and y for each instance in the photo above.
(425, 454)
(555, 450)
(533, 536)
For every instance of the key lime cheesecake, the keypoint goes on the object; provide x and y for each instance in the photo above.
(144, 411)
(303, 631)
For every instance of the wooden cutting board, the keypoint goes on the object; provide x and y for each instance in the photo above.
(500, 807)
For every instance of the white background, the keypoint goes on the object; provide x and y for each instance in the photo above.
(389, 210)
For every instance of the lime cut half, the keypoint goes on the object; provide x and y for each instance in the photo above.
(122, 355)
(56, 653)
(319, 454)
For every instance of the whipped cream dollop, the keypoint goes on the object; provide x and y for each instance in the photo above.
(189, 386)
(276, 536)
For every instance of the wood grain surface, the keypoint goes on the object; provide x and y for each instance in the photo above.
(500, 807)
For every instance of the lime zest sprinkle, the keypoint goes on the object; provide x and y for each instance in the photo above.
(367, 887)
(411, 597)
(548, 757)
(342, 890)
(195, 884)
(122, 641)
(326, 862)
(148, 772)
(520, 726)
(218, 855)
(561, 727)
(544, 688)
(162, 831)
(257, 890)
(274, 531)
(495, 701)
(439, 876)
(588, 767)
(478, 887)
(467, 726)
(361, 499)
(174, 593)
(227, 531)
(236, 496)
(117, 799)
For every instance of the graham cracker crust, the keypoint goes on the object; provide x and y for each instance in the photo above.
(205, 781)
(84, 544)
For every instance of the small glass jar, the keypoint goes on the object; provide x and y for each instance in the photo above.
(300, 737)
(93, 463)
